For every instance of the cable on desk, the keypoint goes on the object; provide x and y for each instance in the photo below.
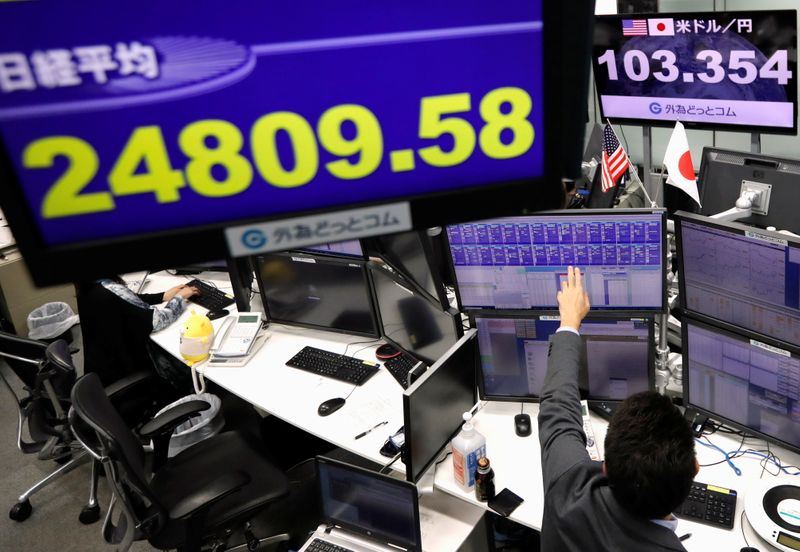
(741, 524)
(389, 465)
(727, 457)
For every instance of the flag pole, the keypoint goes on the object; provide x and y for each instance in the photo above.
(632, 169)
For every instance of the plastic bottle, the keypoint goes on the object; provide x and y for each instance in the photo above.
(484, 480)
(468, 446)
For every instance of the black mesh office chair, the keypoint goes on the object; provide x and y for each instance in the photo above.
(47, 374)
(194, 498)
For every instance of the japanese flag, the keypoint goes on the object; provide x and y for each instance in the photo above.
(678, 161)
(661, 27)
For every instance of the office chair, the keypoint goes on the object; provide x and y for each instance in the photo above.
(197, 497)
(47, 375)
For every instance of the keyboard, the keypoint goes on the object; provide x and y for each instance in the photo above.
(318, 545)
(710, 505)
(333, 365)
(210, 297)
(399, 367)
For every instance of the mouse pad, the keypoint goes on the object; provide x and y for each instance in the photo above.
(505, 502)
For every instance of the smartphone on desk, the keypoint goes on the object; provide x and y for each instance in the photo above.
(239, 336)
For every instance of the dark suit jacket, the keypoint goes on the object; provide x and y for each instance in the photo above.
(580, 512)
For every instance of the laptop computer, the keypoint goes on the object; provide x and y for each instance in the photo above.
(364, 511)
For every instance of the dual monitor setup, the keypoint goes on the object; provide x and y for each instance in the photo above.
(740, 297)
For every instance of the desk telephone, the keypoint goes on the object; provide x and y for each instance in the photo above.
(240, 333)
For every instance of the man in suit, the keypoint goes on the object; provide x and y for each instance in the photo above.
(626, 502)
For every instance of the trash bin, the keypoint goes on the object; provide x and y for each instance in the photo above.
(207, 424)
(52, 321)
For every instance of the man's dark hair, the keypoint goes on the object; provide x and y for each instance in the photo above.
(650, 459)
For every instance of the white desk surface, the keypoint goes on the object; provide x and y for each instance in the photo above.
(294, 395)
(517, 466)
(516, 460)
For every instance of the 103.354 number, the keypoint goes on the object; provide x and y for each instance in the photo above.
(216, 142)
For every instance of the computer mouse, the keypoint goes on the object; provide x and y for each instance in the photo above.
(330, 406)
(213, 315)
(522, 425)
(748, 549)
(385, 352)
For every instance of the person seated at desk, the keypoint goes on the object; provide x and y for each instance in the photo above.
(626, 502)
(116, 324)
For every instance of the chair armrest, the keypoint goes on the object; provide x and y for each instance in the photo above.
(208, 495)
(165, 422)
(126, 383)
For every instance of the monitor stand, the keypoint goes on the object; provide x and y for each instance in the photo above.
(604, 409)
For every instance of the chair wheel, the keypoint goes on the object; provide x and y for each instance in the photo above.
(21, 511)
(89, 514)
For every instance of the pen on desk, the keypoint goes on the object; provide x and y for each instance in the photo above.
(367, 432)
(684, 537)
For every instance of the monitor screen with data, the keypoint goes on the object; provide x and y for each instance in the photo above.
(519, 262)
(316, 292)
(514, 348)
(740, 275)
(742, 380)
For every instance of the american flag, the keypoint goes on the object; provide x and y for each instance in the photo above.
(634, 27)
(615, 160)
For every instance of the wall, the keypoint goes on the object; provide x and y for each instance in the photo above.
(631, 136)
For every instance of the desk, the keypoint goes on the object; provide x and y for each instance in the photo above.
(294, 395)
(517, 465)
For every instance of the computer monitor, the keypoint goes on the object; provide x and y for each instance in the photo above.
(740, 275)
(742, 380)
(434, 404)
(316, 292)
(715, 70)
(520, 262)
(620, 354)
(349, 248)
(724, 174)
(204, 132)
(412, 255)
(377, 506)
(410, 320)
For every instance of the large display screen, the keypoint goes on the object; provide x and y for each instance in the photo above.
(514, 352)
(705, 69)
(741, 275)
(743, 380)
(149, 118)
(520, 262)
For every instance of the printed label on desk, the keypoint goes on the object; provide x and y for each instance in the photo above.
(313, 230)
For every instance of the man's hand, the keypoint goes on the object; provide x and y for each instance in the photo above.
(573, 302)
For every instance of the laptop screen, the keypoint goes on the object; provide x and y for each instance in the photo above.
(370, 503)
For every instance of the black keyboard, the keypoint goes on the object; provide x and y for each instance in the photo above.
(210, 297)
(399, 367)
(710, 505)
(318, 545)
(333, 365)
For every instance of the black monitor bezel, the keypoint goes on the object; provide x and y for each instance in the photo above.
(728, 330)
(692, 125)
(566, 62)
(408, 425)
(580, 212)
(362, 257)
(362, 265)
(538, 314)
(378, 247)
(681, 216)
(454, 315)
(400, 483)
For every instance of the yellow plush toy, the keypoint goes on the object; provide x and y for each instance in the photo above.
(197, 335)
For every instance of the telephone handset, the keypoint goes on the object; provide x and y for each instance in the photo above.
(238, 338)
